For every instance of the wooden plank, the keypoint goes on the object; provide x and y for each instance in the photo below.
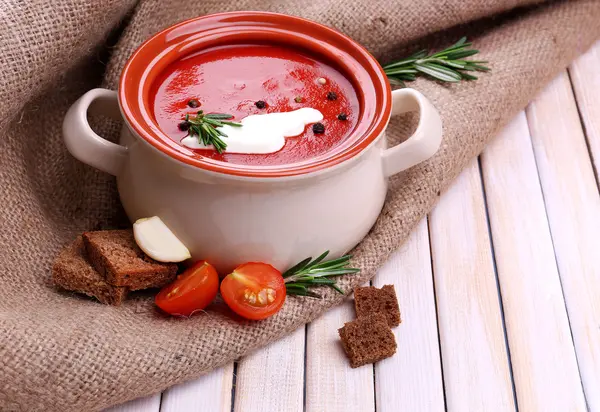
(147, 404)
(544, 366)
(331, 385)
(411, 380)
(573, 208)
(272, 378)
(211, 392)
(474, 356)
(586, 84)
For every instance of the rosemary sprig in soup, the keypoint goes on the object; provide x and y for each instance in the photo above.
(206, 127)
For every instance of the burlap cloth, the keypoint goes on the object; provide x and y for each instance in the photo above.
(61, 352)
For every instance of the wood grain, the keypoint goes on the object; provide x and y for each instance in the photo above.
(272, 378)
(331, 385)
(474, 356)
(411, 380)
(210, 392)
(573, 208)
(543, 358)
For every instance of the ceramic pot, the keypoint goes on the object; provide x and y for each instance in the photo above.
(228, 213)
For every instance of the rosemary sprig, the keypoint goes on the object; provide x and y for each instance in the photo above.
(300, 277)
(447, 65)
(205, 126)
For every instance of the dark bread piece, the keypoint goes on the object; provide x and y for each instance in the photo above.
(118, 258)
(367, 340)
(369, 300)
(71, 271)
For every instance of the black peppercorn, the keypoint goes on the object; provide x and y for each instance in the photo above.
(183, 126)
(318, 128)
(261, 104)
(342, 116)
(193, 103)
(332, 96)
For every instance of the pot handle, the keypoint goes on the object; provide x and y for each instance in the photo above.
(423, 143)
(83, 143)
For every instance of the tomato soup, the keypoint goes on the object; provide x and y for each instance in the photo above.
(245, 80)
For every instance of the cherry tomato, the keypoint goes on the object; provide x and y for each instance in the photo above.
(193, 290)
(254, 290)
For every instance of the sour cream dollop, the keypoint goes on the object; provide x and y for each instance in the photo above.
(262, 133)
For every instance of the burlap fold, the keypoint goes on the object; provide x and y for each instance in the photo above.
(64, 353)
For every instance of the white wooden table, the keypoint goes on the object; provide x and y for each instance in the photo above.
(499, 290)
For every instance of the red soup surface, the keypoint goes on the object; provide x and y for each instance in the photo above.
(231, 79)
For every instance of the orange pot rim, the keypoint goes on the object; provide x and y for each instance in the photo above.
(246, 27)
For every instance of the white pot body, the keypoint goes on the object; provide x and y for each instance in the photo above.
(227, 219)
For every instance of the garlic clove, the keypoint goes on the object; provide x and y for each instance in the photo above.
(157, 241)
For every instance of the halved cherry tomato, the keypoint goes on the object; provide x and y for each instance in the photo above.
(193, 290)
(254, 290)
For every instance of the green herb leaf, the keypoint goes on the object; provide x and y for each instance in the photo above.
(399, 70)
(468, 76)
(297, 267)
(205, 127)
(461, 54)
(222, 116)
(307, 273)
(446, 65)
(438, 72)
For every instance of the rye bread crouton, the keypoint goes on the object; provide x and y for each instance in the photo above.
(71, 271)
(367, 340)
(118, 258)
(369, 300)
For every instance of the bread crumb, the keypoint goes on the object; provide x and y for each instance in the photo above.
(116, 256)
(72, 271)
(369, 300)
(367, 340)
